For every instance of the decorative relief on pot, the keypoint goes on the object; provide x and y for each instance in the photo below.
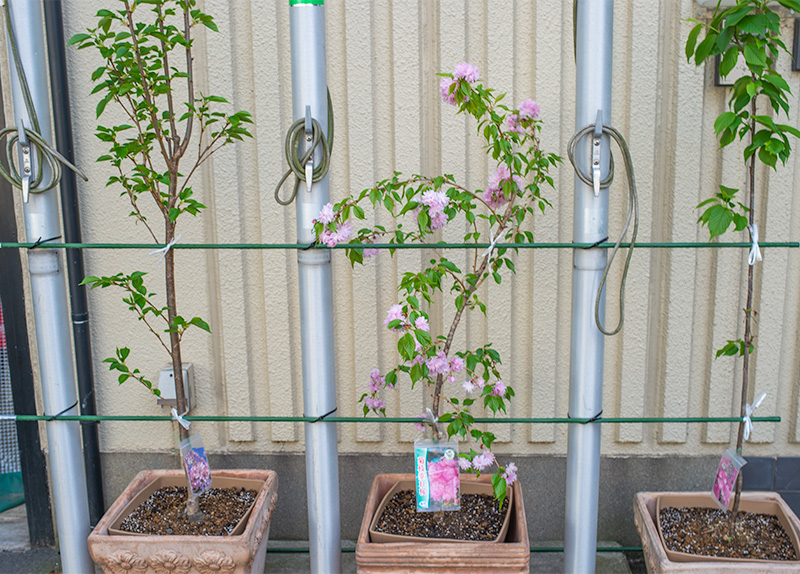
(169, 562)
(214, 562)
(127, 561)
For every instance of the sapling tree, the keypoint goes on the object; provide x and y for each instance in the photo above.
(749, 31)
(169, 129)
(423, 205)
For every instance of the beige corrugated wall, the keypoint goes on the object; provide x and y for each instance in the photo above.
(382, 58)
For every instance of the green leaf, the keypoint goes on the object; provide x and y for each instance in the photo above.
(78, 38)
(691, 41)
(728, 62)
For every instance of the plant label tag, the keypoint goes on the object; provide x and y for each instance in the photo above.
(195, 460)
(436, 468)
(725, 481)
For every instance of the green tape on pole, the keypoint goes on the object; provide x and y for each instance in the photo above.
(314, 2)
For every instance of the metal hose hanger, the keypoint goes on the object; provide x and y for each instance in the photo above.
(29, 181)
(633, 213)
(297, 165)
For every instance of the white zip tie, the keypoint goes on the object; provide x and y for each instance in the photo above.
(167, 247)
(492, 242)
(755, 250)
(8, 417)
(181, 421)
(748, 424)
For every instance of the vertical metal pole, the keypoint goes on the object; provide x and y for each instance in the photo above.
(593, 39)
(51, 315)
(309, 91)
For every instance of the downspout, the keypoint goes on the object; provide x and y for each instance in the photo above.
(70, 214)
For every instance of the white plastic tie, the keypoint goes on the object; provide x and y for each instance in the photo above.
(181, 421)
(492, 242)
(167, 247)
(749, 410)
(755, 250)
(8, 417)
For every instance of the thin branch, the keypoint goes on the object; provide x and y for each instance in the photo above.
(190, 84)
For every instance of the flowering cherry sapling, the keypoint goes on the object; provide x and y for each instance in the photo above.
(422, 205)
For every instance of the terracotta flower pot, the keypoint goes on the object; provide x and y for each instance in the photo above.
(660, 560)
(417, 555)
(243, 551)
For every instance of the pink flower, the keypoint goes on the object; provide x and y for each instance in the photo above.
(326, 215)
(438, 220)
(464, 463)
(494, 195)
(376, 381)
(456, 364)
(422, 324)
(438, 364)
(374, 403)
(510, 474)
(420, 425)
(499, 389)
(370, 252)
(468, 386)
(513, 123)
(467, 72)
(483, 460)
(332, 238)
(443, 476)
(444, 90)
(395, 313)
(451, 379)
(529, 109)
(435, 200)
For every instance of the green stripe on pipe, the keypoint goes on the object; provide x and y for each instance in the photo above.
(314, 2)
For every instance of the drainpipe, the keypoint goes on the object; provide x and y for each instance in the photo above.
(593, 48)
(51, 315)
(70, 214)
(309, 98)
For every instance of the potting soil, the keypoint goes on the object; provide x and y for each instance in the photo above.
(705, 532)
(480, 518)
(164, 512)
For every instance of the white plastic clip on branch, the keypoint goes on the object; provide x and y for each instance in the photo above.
(181, 421)
(749, 410)
(492, 242)
(167, 247)
(755, 250)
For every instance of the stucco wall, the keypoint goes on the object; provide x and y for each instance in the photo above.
(382, 58)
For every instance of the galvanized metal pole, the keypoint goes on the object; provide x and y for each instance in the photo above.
(593, 40)
(309, 93)
(51, 314)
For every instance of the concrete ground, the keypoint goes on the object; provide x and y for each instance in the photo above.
(17, 557)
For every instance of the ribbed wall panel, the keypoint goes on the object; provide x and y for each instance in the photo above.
(680, 304)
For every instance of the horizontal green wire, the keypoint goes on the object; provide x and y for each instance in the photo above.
(94, 418)
(304, 550)
(568, 245)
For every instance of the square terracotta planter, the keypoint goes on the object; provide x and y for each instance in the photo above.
(513, 555)
(244, 551)
(660, 560)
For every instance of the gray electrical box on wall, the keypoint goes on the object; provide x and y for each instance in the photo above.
(166, 384)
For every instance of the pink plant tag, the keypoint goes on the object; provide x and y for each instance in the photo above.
(196, 462)
(437, 483)
(725, 481)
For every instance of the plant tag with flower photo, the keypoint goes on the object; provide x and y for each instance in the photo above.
(724, 483)
(195, 460)
(436, 467)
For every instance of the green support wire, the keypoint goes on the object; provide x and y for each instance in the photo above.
(563, 245)
(350, 550)
(276, 419)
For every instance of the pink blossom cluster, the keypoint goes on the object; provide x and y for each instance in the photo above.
(328, 237)
(483, 460)
(463, 71)
(443, 477)
(376, 381)
(476, 383)
(494, 196)
(510, 474)
(436, 201)
(374, 403)
(528, 110)
(198, 470)
(439, 364)
(395, 314)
